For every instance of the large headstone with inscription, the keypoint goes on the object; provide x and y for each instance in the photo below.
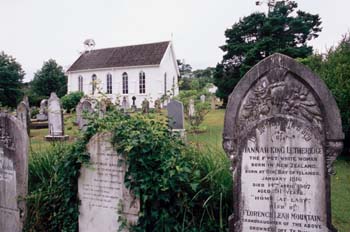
(105, 201)
(13, 173)
(282, 132)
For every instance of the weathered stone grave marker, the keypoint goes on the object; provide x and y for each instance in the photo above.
(55, 117)
(282, 132)
(104, 197)
(23, 115)
(145, 106)
(176, 117)
(125, 104)
(202, 97)
(42, 116)
(191, 110)
(13, 173)
(213, 103)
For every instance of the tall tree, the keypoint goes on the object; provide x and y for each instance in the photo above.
(11, 78)
(259, 35)
(334, 68)
(50, 78)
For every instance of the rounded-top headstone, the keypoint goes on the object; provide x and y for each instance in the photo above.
(282, 132)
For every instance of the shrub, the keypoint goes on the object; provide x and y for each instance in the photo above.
(69, 101)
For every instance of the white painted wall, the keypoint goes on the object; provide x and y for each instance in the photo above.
(154, 80)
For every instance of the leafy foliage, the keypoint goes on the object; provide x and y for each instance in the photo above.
(70, 101)
(11, 77)
(258, 35)
(179, 189)
(50, 78)
(53, 183)
(334, 68)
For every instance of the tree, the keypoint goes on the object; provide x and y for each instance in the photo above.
(50, 78)
(334, 68)
(259, 35)
(11, 78)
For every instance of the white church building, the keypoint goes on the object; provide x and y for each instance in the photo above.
(144, 71)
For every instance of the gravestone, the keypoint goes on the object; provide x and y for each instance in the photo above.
(102, 109)
(78, 112)
(157, 106)
(191, 110)
(23, 115)
(282, 133)
(133, 107)
(176, 117)
(145, 106)
(13, 173)
(213, 102)
(86, 109)
(42, 116)
(125, 104)
(202, 97)
(101, 189)
(55, 117)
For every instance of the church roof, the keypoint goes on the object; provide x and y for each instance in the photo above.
(134, 55)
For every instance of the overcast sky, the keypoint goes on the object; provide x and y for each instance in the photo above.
(34, 31)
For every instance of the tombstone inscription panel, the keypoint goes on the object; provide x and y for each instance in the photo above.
(104, 197)
(282, 139)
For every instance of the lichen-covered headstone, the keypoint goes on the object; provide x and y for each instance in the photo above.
(282, 133)
(13, 173)
(105, 201)
(55, 118)
(125, 104)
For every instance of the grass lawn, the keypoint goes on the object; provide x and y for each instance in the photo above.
(214, 121)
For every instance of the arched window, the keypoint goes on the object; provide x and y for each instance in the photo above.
(165, 87)
(109, 83)
(93, 83)
(80, 83)
(142, 82)
(125, 83)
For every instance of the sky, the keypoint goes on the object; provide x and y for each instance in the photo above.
(34, 31)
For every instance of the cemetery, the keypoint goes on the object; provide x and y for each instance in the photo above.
(130, 139)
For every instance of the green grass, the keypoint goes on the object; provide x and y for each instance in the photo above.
(37, 141)
(340, 188)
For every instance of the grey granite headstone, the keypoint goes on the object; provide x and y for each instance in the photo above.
(175, 114)
(101, 189)
(42, 116)
(13, 173)
(23, 115)
(55, 117)
(282, 133)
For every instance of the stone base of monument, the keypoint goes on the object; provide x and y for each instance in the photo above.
(41, 117)
(181, 132)
(56, 137)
